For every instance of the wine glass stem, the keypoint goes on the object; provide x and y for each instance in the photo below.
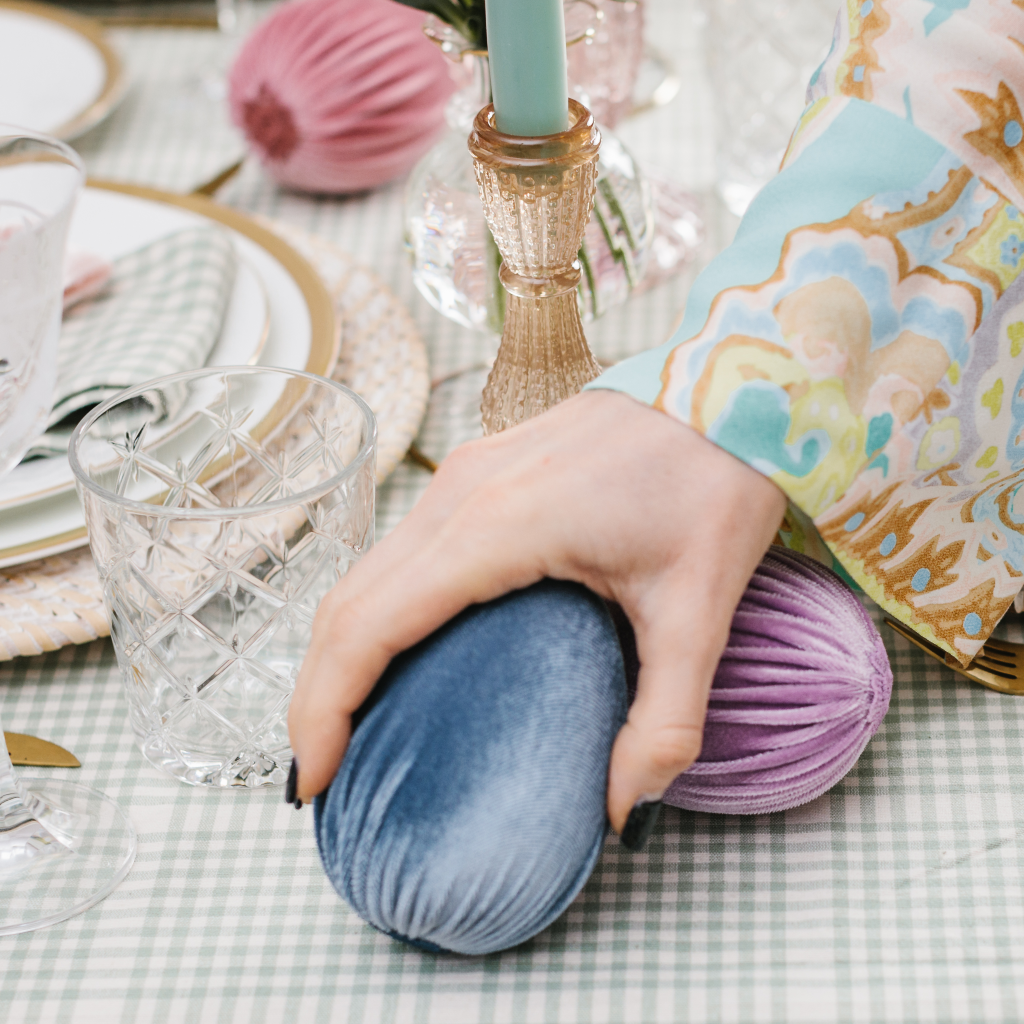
(31, 829)
(10, 794)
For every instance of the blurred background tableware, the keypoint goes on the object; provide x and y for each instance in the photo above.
(222, 504)
(183, 14)
(49, 603)
(160, 310)
(63, 847)
(39, 181)
(337, 96)
(760, 56)
(603, 70)
(58, 72)
(234, 20)
(38, 753)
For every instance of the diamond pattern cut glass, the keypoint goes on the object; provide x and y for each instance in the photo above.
(221, 506)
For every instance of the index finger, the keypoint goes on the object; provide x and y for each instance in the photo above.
(360, 628)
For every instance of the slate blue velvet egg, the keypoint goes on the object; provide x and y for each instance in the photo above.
(470, 808)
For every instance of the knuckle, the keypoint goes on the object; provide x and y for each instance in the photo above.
(493, 499)
(338, 617)
(331, 608)
(673, 748)
(462, 461)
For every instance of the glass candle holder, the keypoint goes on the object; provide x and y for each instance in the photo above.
(222, 504)
(537, 195)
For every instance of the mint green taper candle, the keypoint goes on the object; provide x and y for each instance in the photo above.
(529, 81)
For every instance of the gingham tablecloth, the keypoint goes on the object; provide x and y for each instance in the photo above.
(896, 897)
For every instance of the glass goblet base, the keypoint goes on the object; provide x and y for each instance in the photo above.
(60, 884)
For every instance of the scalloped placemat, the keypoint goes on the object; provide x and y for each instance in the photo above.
(56, 601)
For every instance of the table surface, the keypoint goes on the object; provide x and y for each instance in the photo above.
(895, 897)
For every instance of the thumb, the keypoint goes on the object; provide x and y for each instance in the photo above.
(679, 649)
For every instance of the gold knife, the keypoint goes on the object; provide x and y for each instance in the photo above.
(31, 750)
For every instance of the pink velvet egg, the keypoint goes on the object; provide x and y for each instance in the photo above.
(339, 95)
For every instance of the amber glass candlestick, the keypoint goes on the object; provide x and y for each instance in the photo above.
(537, 195)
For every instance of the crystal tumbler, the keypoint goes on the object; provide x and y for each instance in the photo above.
(222, 504)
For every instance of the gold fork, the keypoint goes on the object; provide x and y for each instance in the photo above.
(999, 665)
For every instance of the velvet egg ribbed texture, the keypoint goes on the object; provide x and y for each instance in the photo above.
(470, 807)
(338, 96)
(469, 810)
(801, 687)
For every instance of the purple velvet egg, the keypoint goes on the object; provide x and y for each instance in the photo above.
(802, 686)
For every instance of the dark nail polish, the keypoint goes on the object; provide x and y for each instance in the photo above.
(289, 788)
(640, 824)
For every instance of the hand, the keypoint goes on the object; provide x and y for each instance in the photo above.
(601, 490)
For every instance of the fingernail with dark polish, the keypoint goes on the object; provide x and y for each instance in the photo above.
(640, 824)
(289, 788)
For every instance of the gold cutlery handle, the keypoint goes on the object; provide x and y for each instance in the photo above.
(36, 753)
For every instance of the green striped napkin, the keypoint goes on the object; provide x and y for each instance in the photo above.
(162, 312)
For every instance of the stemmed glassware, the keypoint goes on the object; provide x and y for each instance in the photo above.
(63, 847)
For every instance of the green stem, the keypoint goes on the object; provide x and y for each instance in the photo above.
(619, 254)
(496, 316)
(588, 272)
(608, 191)
(465, 16)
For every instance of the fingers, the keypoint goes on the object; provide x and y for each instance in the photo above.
(679, 647)
(325, 694)
(360, 628)
(682, 625)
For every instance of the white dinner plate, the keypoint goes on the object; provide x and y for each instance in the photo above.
(58, 73)
(302, 335)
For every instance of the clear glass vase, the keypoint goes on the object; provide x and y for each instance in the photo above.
(455, 261)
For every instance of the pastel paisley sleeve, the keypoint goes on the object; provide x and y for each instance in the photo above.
(862, 340)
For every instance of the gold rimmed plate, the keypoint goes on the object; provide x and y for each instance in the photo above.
(58, 72)
(302, 334)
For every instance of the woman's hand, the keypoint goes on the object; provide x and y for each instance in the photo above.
(601, 490)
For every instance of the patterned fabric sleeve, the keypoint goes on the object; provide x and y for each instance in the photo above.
(862, 341)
